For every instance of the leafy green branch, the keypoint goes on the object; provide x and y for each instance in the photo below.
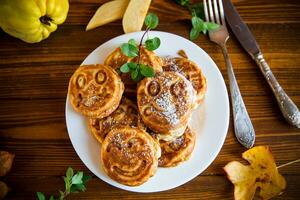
(138, 70)
(197, 12)
(73, 183)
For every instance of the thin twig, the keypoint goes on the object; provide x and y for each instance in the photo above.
(289, 163)
(141, 42)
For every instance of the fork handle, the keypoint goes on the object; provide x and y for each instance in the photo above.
(243, 127)
(287, 106)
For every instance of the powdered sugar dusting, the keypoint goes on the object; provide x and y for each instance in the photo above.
(169, 109)
(90, 101)
(171, 65)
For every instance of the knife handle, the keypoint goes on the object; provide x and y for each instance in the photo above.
(287, 106)
(243, 127)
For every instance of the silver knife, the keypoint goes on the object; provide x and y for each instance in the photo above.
(242, 33)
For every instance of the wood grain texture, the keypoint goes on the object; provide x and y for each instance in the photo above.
(34, 81)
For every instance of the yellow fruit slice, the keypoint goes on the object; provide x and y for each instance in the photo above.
(135, 14)
(107, 13)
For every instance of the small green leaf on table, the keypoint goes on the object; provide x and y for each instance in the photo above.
(194, 34)
(77, 178)
(40, 196)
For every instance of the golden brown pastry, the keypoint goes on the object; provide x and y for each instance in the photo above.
(95, 90)
(191, 71)
(178, 150)
(151, 59)
(165, 103)
(116, 59)
(125, 115)
(129, 155)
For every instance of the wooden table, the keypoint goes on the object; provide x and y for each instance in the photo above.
(34, 79)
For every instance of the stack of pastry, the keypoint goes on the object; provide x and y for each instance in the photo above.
(141, 126)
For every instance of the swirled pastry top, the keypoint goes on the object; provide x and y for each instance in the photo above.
(165, 101)
(178, 150)
(191, 71)
(95, 90)
(129, 155)
(125, 115)
(116, 59)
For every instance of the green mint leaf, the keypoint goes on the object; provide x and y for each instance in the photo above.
(139, 77)
(132, 42)
(78, 188)
(62, 195)
(51, 197)
(129, 50)
(194, 34)
(197, 23)
(151, 20)
(211, 26)
(132, 65)
(147, 71)
(197, 9)
(77, 178)
(69, 173)
(86, 178)
(183, 2)
(124, 68)
(134, 74)
(67, 184)
(152, 44)
(40, 196)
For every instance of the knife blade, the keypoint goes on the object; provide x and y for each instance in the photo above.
(248, 42)
(240, 29)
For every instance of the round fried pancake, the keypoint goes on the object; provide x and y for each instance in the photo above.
(95, 90)
(178, 150)
(129, 155)
(116, 59)
(191, 71)
(165, 102)
(125, 115)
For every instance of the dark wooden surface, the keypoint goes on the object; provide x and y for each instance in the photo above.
(34, 79)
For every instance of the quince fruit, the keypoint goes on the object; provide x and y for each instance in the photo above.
(32, 20)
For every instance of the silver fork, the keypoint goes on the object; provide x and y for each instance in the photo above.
(243, 127)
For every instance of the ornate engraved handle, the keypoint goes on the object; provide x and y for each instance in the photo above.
(243, 127)
(287, 106)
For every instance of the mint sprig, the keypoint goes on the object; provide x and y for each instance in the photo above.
(199, 25)
(152, 44)
(129, 50)
(73, 183)
(151, 21)
(137, 70)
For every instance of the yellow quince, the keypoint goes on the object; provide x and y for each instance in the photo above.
(32, 20)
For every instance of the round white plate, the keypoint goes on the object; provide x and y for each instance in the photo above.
(209, 121)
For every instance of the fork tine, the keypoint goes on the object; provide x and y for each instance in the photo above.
(222, 12)
(205, 11)
(211, 12)
(216, 11)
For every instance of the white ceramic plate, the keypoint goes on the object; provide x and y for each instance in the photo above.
(209, 121)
